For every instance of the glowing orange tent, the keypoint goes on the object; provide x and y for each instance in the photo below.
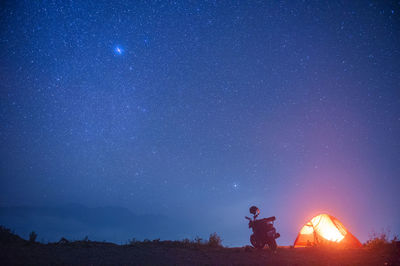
(325, 229)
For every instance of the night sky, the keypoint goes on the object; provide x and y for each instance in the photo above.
(199, 109)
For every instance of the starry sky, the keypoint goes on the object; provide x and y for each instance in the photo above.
(199, 109)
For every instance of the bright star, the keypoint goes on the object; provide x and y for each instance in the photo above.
(118, 50)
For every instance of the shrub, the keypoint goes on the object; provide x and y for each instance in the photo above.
(32, 237)
(63, 241)
(198, 240)
(186, 243)
(5, 235)
(379, 241)
(214, 240)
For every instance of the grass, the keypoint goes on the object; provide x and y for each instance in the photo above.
(214, 241)
(377, 251)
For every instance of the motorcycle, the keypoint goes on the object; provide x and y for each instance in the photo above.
(264, 232)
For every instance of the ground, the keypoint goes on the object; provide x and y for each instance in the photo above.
(164, 253)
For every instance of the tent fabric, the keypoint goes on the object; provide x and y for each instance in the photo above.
(325, 229)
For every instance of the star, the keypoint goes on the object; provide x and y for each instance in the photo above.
(118, 50)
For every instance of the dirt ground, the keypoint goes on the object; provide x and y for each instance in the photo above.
(156, 254)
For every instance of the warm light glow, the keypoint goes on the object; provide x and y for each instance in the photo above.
(324, 226)
(324, 229)
(307, 229)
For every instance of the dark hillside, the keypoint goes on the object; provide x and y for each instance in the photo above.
(15, 250)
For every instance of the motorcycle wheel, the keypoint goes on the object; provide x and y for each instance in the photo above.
(272, 244)
(255, 243)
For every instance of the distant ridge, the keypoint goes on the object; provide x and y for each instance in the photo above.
(76, 221)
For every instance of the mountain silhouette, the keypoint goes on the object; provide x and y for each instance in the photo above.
(75, 221)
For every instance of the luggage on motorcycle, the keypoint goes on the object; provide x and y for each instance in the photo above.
(263, 225)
